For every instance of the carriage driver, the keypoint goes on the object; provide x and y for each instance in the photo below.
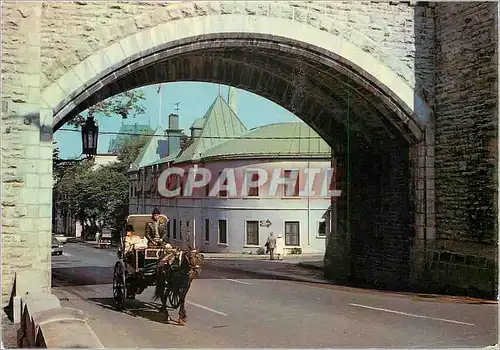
(156, 231)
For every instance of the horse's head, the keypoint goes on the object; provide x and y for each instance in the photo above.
(195, 259)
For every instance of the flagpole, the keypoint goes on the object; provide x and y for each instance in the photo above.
(159, 111)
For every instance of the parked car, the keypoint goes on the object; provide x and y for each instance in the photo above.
(57, 247)
(60, 237)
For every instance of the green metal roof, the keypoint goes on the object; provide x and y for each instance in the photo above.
(218, 124)
(150, 152)
(166, 159)
(294, 139)
(198, 123)
(223, 136)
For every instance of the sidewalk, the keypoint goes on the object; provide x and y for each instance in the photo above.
(312, 272)
(296, 258)
(288, 269)
(92, 243)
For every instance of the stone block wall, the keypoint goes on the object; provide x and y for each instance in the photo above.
(73, 31)
(455, 267)
(375, 217)
(464, 257)
(451, 177)
(466, 121)
(381, 215)
(26, 150)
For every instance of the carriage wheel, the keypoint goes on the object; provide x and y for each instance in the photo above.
(176, 290)
(119, 285)
(174, 297)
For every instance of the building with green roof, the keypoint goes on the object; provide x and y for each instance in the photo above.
(238, 221)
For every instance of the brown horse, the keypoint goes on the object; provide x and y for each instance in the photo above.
(175, 272)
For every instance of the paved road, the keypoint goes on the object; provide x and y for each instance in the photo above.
(229, 309)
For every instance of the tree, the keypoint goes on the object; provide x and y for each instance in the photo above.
(125, 104)
(98, 198)
(129, 149)
(82, 191)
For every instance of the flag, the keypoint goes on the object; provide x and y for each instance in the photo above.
(159, 89)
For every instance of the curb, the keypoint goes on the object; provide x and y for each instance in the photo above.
(94, 245)
(276, 275)
(243, 257)
(309, 266)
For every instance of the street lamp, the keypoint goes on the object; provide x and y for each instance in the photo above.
(90, 133)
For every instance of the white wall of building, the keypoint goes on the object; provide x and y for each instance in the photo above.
(309, 212)
(103, 159)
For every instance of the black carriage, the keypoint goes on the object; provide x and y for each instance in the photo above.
(137, 266)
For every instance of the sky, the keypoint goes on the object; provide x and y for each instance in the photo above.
(195, 98)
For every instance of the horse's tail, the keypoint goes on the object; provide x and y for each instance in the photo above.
(160, 284)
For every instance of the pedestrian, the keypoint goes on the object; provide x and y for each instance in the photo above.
(271, 245)
(280, 247)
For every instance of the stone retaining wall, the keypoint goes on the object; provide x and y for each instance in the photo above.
(453, 267)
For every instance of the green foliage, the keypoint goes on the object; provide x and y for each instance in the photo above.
(125, 104)
(129, 148)
(97, 197)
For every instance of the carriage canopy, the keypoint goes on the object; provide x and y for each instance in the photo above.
(138, 223)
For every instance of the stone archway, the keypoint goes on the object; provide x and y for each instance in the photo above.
(216, 33)
(293, 39)
(341, 87)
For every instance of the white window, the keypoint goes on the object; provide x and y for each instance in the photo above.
(207, 230)
(222, 193)
(207, 190)
(322, 228)
(174, 229)
(222, 231)
(252, 233)
(292, 236)
(252, 177)
(290, 188)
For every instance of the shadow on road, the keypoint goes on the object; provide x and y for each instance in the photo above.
(81, 276)
(95, 275)
(136, 308)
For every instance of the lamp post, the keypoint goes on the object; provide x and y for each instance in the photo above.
(90, 133)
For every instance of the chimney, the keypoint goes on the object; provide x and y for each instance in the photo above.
(173, 121)
(231, 99)
(195, 132)
(173, 134)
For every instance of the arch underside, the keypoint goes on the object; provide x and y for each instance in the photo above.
(325, 93)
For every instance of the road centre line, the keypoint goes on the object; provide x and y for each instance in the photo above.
(412, 315)
(236, 281)
(206, 308)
